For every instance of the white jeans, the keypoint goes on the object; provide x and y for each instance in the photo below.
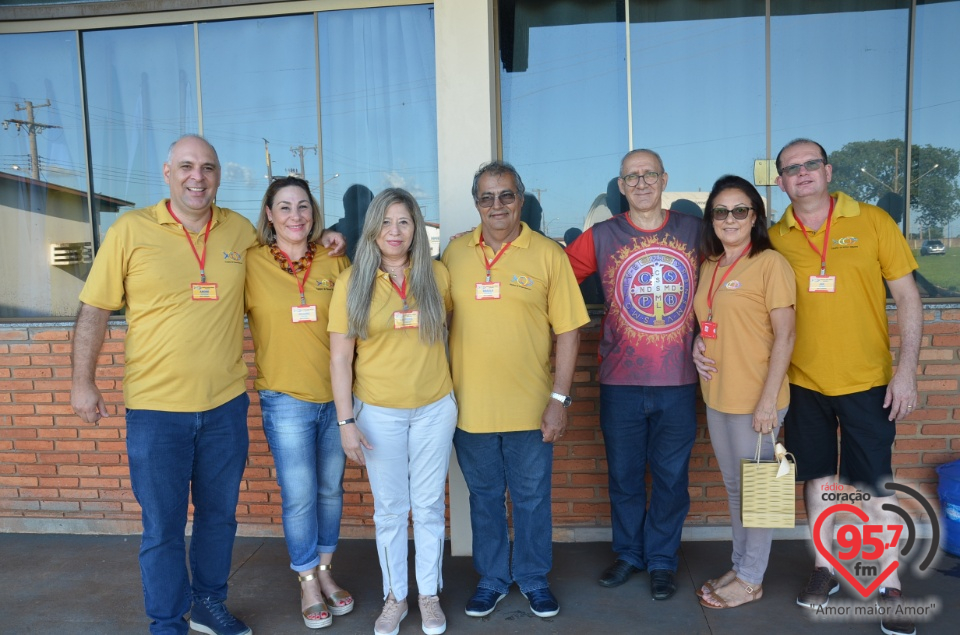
(407, 468)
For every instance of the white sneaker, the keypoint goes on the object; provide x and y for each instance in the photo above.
(389, 621)
(434, 621)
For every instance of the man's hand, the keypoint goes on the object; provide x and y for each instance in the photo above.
(705, 366)
(553, 422)
(87, 401)
(334, 241)
(901, 394)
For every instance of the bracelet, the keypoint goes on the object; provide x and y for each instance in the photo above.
(346, 421)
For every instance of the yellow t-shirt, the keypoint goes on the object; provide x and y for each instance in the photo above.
(393, 368)
(292, 357)
(741, 309)
(181, 355)
(842, 342)
(500, 349)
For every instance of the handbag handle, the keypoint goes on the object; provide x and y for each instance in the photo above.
(773, 441)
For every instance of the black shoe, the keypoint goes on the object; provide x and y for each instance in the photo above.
(617, 573)
(662, 584)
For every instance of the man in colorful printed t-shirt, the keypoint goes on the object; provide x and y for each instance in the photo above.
(647, 258)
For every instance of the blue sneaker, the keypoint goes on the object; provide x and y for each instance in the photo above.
(210, 616)
(542, 602)
(483, 602)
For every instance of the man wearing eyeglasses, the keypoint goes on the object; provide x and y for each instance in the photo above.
(510, 287)
(647, 258)
(841, 372)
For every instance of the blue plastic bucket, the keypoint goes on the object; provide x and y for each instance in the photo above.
(949, 492)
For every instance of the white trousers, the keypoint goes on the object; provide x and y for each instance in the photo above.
(407, 468)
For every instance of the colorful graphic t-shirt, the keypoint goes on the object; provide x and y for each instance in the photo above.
(648, 278)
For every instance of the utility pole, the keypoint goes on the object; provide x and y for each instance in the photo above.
(298, 151)
(537, 190)
(266, 148)
(33, 129)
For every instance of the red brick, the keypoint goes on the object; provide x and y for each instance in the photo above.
(32, 397)
(938, 384)
(33, 469)
(943, 400)
(927, 414)
(29, 348)
(928, 354)
(12, 335)
(919, 444)
(16, 385)
(941, 327)
(31, 444)
(935, 429)
(950, 314)
(932, 369)
(946, 340)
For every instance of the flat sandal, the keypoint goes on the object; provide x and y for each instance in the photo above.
(750, 592)
(716, 583)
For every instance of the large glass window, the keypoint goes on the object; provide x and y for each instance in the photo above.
(935, 178)
(259, 93)
(564, 106)
(838, 76)
(698, 91)
(45, 236)
(379, 112)
(141, 95)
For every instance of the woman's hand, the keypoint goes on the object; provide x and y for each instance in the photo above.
(765, 416)
(353, 442)
(705, 366)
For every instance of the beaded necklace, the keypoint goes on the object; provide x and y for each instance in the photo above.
(300, 265)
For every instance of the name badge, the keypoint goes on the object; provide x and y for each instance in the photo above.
(204, 291)
(708, 330)
(823, 284)
(406, 319)
(304, 313)
(488, 291)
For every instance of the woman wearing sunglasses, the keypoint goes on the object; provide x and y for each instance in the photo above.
(745, 305)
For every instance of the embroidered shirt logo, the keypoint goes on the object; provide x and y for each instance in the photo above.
(234, 257)
(846, 242)
(522, 281)
(733, 284)
(324, 284)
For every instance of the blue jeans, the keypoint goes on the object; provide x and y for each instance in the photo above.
(655, 426)
(173, 456)
(522, 462)
(305, 444)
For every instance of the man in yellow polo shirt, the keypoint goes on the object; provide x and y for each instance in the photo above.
(510, 287)
(178, 268)
(841, 372)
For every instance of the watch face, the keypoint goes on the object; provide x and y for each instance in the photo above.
(567, 402)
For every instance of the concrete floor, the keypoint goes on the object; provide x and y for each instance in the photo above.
(66, 584)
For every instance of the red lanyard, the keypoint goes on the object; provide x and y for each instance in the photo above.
(710, 292)
(201, 258)
(306, 274)
(401, 290)
(489, 263)
(826, 237)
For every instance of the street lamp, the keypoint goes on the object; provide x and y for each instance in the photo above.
(331, 178)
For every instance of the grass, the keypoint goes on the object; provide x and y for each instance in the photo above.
(942, 271)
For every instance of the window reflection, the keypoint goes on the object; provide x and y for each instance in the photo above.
(935, 193)
(259, 83)
(45, 237)
(564, 106)
(855, 109)
(378, 107)
(141, 96)
(699, 91)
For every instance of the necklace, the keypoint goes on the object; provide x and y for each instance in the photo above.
(297, 266)
(394, 272)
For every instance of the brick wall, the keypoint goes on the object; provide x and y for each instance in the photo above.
(60, 474)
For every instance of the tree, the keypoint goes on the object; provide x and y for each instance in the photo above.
(875, 172)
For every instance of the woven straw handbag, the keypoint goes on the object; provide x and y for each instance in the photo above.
(767, 488)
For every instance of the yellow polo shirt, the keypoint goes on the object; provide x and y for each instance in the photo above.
(842, 343)
(500, 349)
(181, 355)
(392, 367)
(292, 357)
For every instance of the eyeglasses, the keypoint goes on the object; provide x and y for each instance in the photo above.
(739, 212)
(810, 166)
(648, 177)
(488, 200)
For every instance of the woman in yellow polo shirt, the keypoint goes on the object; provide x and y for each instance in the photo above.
(289, 283)
(745, 305)
(394, 395)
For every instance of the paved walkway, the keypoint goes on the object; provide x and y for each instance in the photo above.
(65, 584)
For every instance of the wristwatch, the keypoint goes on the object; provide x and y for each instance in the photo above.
(564, 399)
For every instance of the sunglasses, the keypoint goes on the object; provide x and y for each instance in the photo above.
(809, 166)
(488, 200)
(739, 212)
